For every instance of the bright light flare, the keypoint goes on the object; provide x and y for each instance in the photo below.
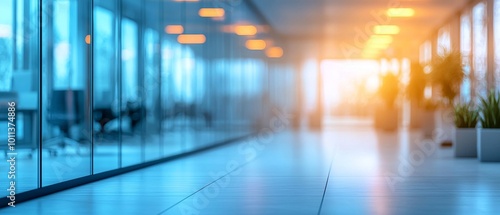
(386, 29)
(274, 52)
(245, 30)
(256, 44)
(191, 39)
(400, 12)
(212, 12)
(88, 39)
(383, 39)
(174, 29)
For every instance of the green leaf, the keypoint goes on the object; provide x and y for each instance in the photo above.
(490, 110)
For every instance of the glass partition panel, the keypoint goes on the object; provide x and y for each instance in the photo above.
(19, 84)
(151, 92)
(67, 124)
(106, 115)
(130, 105)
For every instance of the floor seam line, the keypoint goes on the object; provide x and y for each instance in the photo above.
(326, 186)
(202, 188)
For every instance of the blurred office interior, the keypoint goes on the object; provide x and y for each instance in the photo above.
(103, 87)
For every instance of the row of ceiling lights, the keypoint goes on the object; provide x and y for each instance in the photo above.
(241, 30)
(382, 34)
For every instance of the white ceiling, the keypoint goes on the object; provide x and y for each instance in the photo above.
(335, 21)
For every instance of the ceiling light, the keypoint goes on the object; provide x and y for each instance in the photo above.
(211, 12)
(386, 29)
(274, 52)
(245, 30)
(385, 39)
(256, 44)
(174, 29)
(400, 12)
(87, 39)
(191, 39)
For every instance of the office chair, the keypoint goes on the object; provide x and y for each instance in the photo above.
(65, 109)
(103, 116)
(136, 112)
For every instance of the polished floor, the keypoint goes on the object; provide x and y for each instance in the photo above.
(342, 170)
(69, 165)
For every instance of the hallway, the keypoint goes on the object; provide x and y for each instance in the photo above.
(347, 169)
(250, 107)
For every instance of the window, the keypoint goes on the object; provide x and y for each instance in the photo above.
(479, 49)
(465, 49)
(496, 24)
(425, 52)
(444, 41)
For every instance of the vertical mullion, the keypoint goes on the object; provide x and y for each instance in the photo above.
(91, 78)
(141, 75)
(38, 139)
(118, 40)
(160, 80)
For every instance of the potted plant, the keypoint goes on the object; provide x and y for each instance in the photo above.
(446, 76)
(465, 137)
(415, 91)
(386, 117)
(488, 136)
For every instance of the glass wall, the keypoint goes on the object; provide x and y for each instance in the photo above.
(106, 148)
(123, 82)
(19, 93)
(66, 89)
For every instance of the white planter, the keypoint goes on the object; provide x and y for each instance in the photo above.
(428, 121)
(465, 142)
(444, 126)
(488, 145)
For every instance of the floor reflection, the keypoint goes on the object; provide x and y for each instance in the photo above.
(368, 172)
